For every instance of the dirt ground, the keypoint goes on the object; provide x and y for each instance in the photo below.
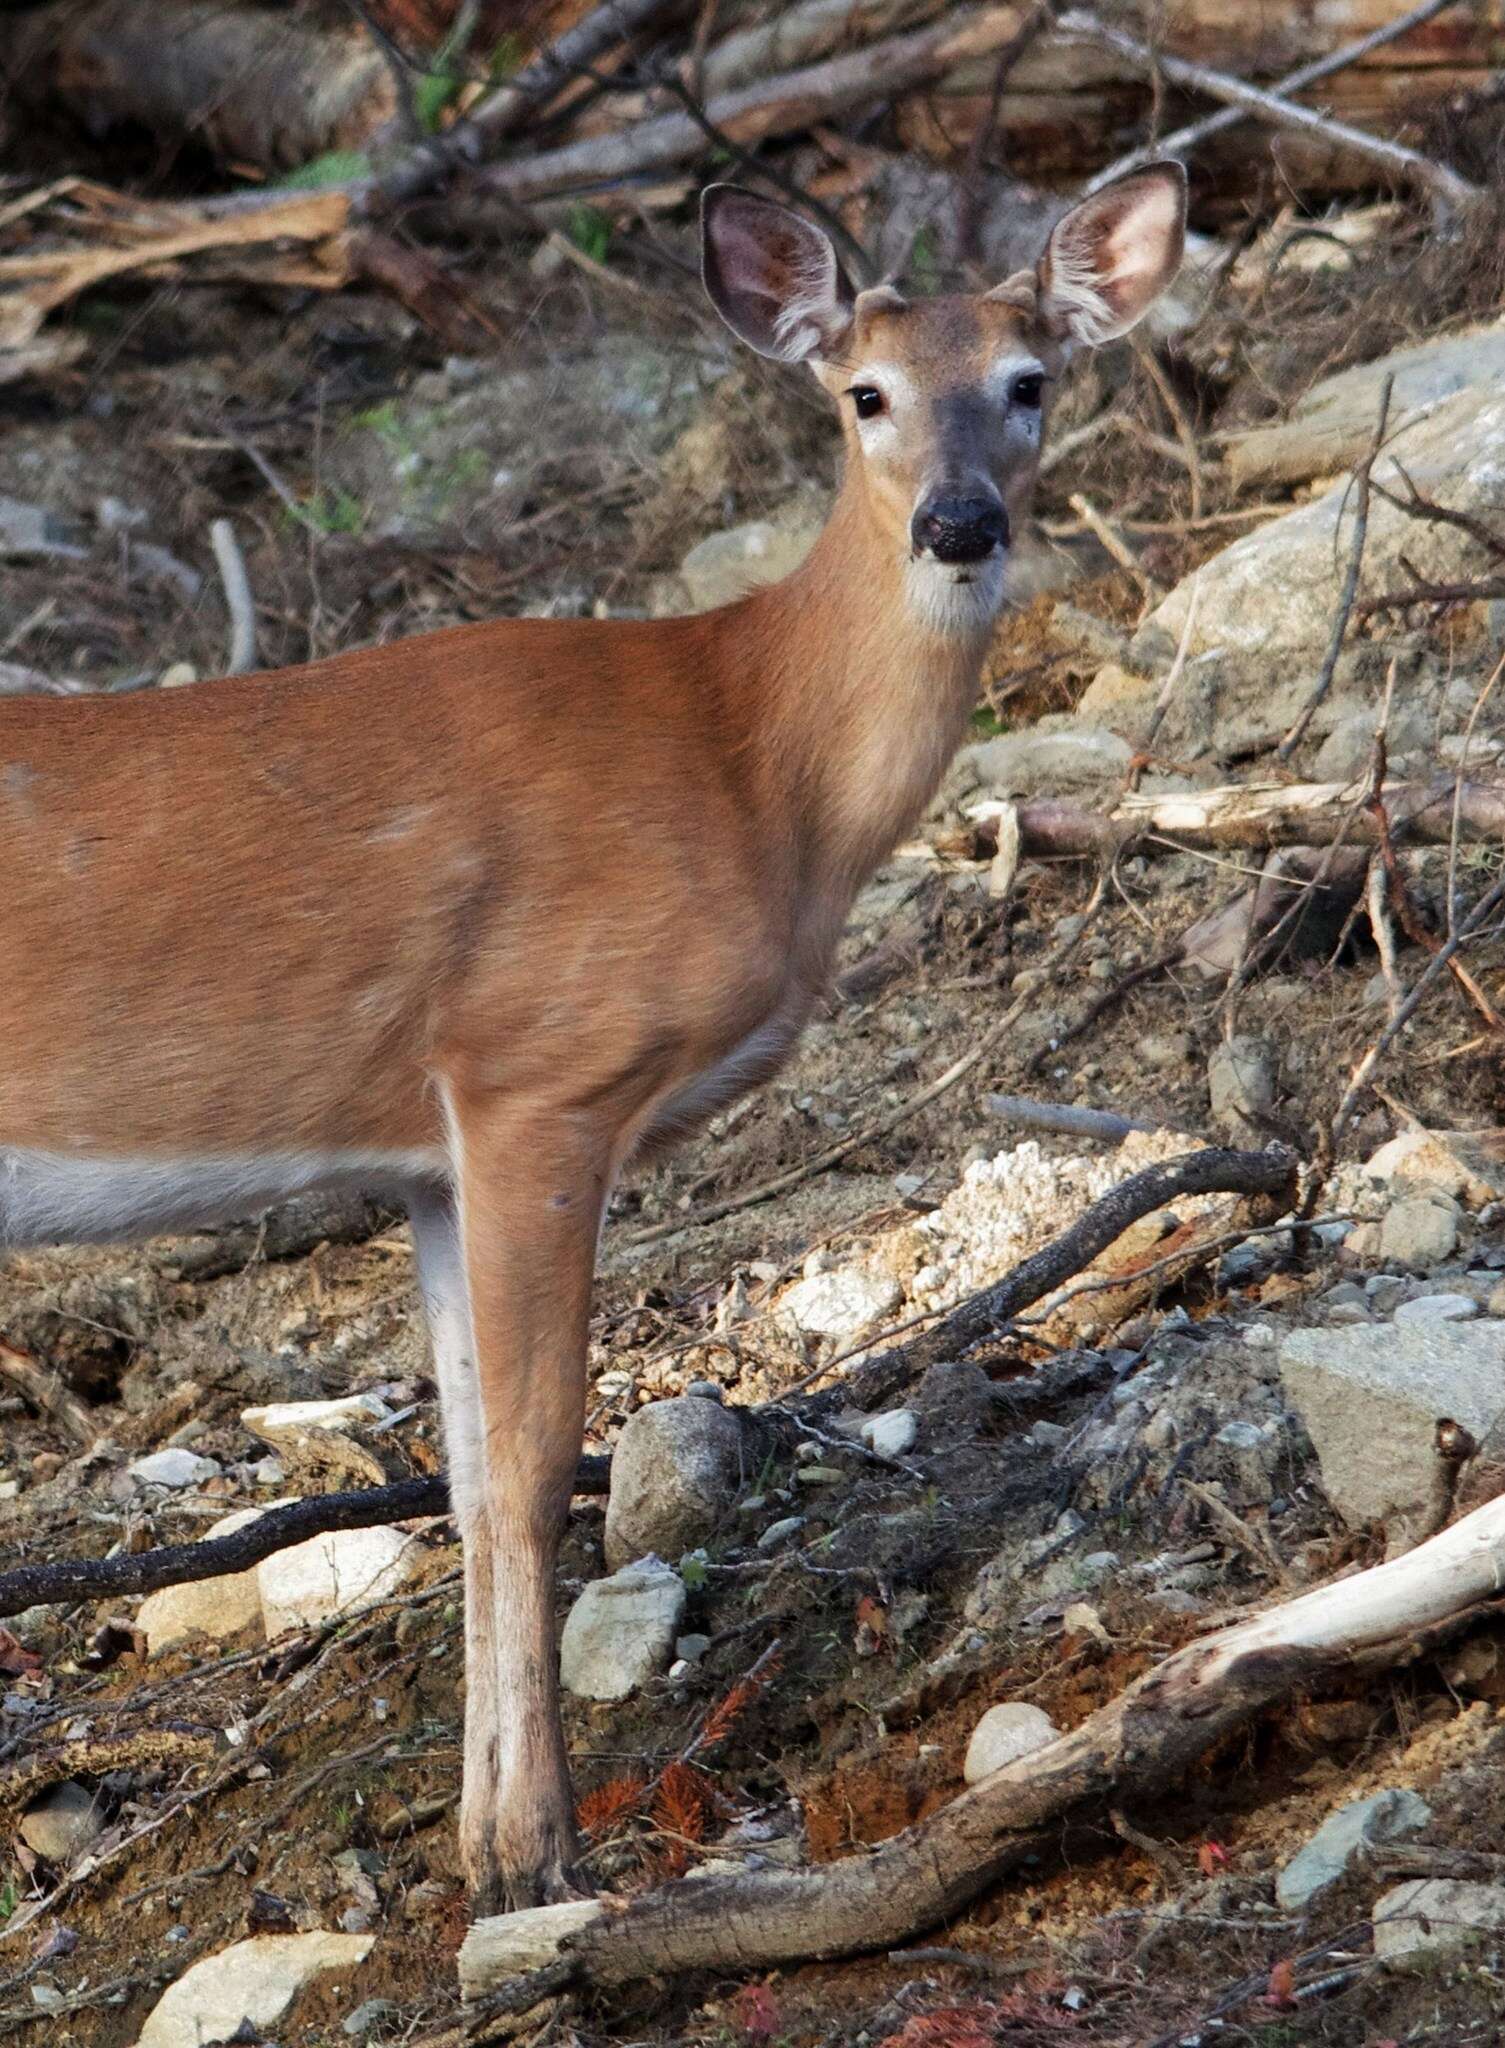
(311, 1782)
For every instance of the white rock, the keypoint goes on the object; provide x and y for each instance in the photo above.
(510, 1944)
(892, 1433)
(725, 566)
(1467, 1164)
(62, 1824)
(217, 1608)
(173, 1468)
(1428, 1914)
(254, 1980)
(1003, 1735)
(1420, 1232)
(621, 1631)
(841, 1305)
(1437, 1308)
(1030, 761)
(327, 1576)
(1241, 1086)
(1371, 1398)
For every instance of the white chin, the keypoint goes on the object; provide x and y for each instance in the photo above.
(957, 597)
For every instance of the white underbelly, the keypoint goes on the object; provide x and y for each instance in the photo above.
(80, 1198)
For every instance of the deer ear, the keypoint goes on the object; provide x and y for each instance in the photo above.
(1111, 257)
(772, 276)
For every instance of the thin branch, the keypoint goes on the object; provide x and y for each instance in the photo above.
(1181, 140)
(1444, 187)
(91, 1578)
(1350, 581)
(236, 584)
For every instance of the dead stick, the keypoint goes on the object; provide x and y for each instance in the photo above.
(231, 564)
(1138, 1744)
(1446, 189)
(93, 1578)
(1180, 140)
(47, 1392)
(1350, 581)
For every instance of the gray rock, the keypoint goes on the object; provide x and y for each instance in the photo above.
(173, 1468)
(1371, 1399)
(780, 1532)
(1469, 1165)
(1421, 1231)
(1428, 1915)
(1266, 605)
(1385, 1817)
(1003, 1735)
(254, 1980)
(1035, 760)
(367, 2018)
(1349, 748)
(727, 565)
(1334, 423)
(1241, 1086)
(1437, 1308)
(675, 1473)
(63, 1823)
(620, 1632)
(892, 1433)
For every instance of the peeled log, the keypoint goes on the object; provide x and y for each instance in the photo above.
(1141, 1743)
(255, 87)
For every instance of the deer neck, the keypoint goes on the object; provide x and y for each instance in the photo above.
(866, 686)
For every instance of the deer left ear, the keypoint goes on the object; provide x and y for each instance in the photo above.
(772, 276)
(1110, 258)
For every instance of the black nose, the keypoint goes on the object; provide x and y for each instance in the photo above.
(959, 529)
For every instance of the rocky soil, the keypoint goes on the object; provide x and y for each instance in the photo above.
(803, 1618)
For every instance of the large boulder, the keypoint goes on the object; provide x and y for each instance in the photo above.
(675, 1473)
(1371, 1398)
(1266, 604)
(1334, 423)
(1417, 1921)
(332, 1575)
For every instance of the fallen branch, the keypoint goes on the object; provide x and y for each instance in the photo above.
(1269, 1175)
(780, 105)
(95, 1578)
(1254, 816)
(1068, 1117)
(1139, 1744)
(49, 1394)
(1443, 186)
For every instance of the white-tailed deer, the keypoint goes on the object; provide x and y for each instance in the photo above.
(474, 918)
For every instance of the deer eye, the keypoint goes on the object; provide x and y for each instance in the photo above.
(868, 400)
(1028, 389)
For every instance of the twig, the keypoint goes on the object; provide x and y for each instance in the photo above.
(1254, 1543)
(1444, 187)
(1487, 904)
(88, 1578)
(1067, 1117)
(236, 584)
(1350, 581)
(1167, 688)
(1384, 932)
(1185, 433)
(1117, 547)
(48, 1392)
(1180, 140)
(765, 1191)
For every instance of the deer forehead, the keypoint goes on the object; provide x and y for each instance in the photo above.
(943, 346)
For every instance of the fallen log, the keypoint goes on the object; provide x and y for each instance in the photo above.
(97, 1578)
(780, 105)
(253, 86)
(1139, 1745)
(1253, 816)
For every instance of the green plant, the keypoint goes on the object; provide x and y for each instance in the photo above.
(9, 1896)
(924, 259)
(329, 512)
(590, 231)
(335, 167)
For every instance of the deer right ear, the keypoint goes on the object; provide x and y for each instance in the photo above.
(772, 276)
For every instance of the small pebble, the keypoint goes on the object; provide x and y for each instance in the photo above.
(1436, 1308)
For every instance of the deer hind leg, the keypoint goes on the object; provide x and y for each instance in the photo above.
(532, 1192)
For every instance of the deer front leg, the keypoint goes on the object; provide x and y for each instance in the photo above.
(532, 1190)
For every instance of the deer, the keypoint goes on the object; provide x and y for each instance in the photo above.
(476, 919)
